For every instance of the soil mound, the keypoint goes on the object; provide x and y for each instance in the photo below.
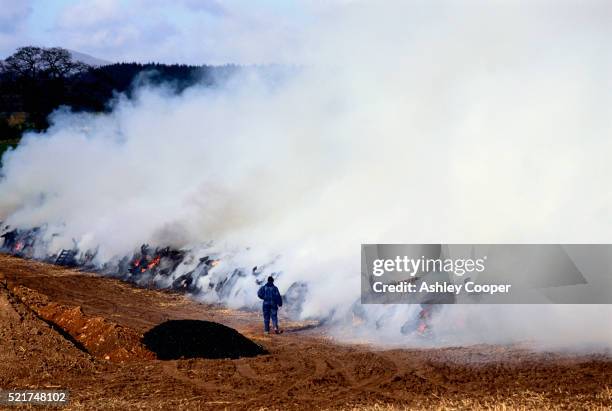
(98, 336)
(198, 339)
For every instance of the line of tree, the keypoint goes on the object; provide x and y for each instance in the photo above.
(34, 81)
(37, 63)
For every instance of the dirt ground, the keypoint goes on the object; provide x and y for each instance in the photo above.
(61, 328)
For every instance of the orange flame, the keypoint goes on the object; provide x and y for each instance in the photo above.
(153, 262)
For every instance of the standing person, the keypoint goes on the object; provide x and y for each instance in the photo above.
(271, 301)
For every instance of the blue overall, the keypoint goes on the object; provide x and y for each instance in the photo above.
(271, 301)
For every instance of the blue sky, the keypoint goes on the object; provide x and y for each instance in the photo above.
(187, 31)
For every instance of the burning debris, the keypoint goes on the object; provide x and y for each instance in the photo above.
(66, 258)
(20, 242)
(185, 281)
(185, 271)
(189, 271)
(148, 261)
(167, 268)
(177, 339)
(422, 324)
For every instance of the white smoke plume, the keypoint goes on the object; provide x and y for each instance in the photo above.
(408, 122)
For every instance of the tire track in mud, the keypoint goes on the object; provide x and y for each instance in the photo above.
(362, 375)
(338, 378)
(170, 369)
(352, 375)
(245, 370)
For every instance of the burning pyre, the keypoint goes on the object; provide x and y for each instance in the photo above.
(169, 268)
(182, 270)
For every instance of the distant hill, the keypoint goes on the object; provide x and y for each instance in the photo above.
(88, 59)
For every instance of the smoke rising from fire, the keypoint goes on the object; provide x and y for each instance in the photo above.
(407, 123)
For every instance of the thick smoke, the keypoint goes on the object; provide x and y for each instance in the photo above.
(407, 123)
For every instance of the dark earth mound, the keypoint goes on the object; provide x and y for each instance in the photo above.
(176, 339)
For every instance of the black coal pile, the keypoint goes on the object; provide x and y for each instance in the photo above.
(177, 339)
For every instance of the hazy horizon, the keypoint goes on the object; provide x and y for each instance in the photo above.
(183, 32)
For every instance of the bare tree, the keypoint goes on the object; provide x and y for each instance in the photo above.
(58, 63)
(25, 62)
(33, 62)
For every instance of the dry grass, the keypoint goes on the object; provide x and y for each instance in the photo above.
(525, 401)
